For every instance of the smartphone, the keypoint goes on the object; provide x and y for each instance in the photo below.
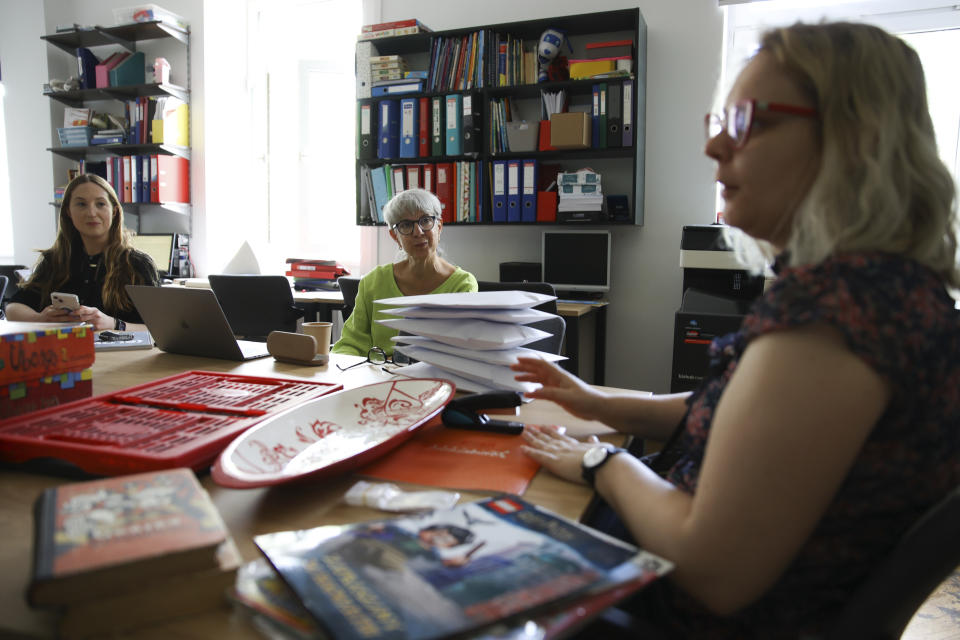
(65, 301)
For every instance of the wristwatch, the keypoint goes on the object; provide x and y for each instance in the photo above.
(596, 457)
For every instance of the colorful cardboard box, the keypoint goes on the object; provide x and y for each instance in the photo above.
(43, 365)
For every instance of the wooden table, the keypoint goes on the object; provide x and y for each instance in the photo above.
(247, 513)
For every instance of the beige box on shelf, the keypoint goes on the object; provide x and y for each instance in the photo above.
(570, 130)
(522, 136)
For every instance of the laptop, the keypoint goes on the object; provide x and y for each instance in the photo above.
(191, 322)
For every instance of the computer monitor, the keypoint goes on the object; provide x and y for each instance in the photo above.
(577, 260)
(160, 247)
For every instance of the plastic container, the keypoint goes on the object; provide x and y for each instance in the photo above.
(148, 13)
(179, 421)
(75, 136)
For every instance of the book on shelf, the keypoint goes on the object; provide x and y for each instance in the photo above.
(390, 33)
(495, 561)
(112, 535)
(155, 601)
(396, 24)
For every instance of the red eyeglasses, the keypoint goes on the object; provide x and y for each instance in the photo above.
(737, 119)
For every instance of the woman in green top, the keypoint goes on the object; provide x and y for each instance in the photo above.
(413, 217)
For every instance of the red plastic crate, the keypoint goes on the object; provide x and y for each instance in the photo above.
(180, 421)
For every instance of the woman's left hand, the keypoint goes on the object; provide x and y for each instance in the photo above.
(92, 315)
(558, 452)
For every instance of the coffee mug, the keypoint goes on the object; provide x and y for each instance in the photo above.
(321, 333)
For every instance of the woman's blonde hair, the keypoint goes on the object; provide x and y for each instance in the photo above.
(882, 185)
(53, 269)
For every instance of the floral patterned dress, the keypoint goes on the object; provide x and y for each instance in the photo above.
(896, 315)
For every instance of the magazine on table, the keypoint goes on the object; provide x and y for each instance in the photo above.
(498, 560)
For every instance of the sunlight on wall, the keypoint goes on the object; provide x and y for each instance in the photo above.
(6, 215)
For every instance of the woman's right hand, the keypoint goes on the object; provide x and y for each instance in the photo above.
(562, 387)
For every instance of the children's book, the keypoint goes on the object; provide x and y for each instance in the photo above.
(155, 601)
(103, 537)
(498, 560)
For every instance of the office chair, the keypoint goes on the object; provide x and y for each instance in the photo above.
(256, 305)
(13, 280)
(348, 289)
(3, 300)
(884, 603)
(556, 327)
(535, 287)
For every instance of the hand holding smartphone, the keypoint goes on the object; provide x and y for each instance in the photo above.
(65, 301)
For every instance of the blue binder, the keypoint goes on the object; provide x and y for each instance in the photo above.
(499, 190)
(514, 178)
(454, 120)
(528, 194)
(409, 131)
(378, 178)
(87, 68)
(388, 138)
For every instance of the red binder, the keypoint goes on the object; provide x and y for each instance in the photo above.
(425, 140)
(173, 179)
(446, 188)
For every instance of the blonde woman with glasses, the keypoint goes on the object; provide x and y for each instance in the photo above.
(831, 421)
(414, 219)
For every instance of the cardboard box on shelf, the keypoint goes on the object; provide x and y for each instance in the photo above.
(570, 130)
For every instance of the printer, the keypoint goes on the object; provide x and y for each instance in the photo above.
(717, 292)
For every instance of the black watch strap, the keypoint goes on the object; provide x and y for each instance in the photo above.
(589, 471)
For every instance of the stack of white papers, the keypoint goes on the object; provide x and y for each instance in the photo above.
(580, 191)
(471, 338)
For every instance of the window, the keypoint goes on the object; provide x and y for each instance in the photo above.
(930, 27)
(302, 90)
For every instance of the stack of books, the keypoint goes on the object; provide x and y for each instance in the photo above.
(580, 191)
(315, 275)
(392, 29)
(387, 68)
(120, 553)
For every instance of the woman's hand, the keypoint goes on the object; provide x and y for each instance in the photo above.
(92, 315)
(559, 386)
(52, 314)
(559, 453)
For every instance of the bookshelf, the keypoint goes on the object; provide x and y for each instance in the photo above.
(621, 167)
(172, 216)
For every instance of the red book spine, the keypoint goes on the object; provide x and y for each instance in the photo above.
(445, 190)
(424, 150)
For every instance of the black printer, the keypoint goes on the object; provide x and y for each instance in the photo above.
(717, 292)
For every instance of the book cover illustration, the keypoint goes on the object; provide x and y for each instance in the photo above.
(449, 572)
(96, 537)
(260, 589)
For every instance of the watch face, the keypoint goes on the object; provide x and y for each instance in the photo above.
(595, 456)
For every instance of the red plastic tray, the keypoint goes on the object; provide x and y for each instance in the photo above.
(181, 421)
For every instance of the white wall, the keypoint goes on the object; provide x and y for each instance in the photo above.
(684, 41)
(23, 58)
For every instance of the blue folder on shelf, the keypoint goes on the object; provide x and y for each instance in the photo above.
(454, 120)
(409, 130)
(378, 177)
(87, 68)
(499, 191)
(513, 190)
(388, 137)
(528, 195)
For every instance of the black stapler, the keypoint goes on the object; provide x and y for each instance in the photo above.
(465, 412)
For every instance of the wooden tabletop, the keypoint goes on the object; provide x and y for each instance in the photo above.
(247, 513)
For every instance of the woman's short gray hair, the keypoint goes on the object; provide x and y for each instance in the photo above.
(411, 201)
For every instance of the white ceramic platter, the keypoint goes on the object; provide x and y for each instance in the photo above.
(332, 434)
